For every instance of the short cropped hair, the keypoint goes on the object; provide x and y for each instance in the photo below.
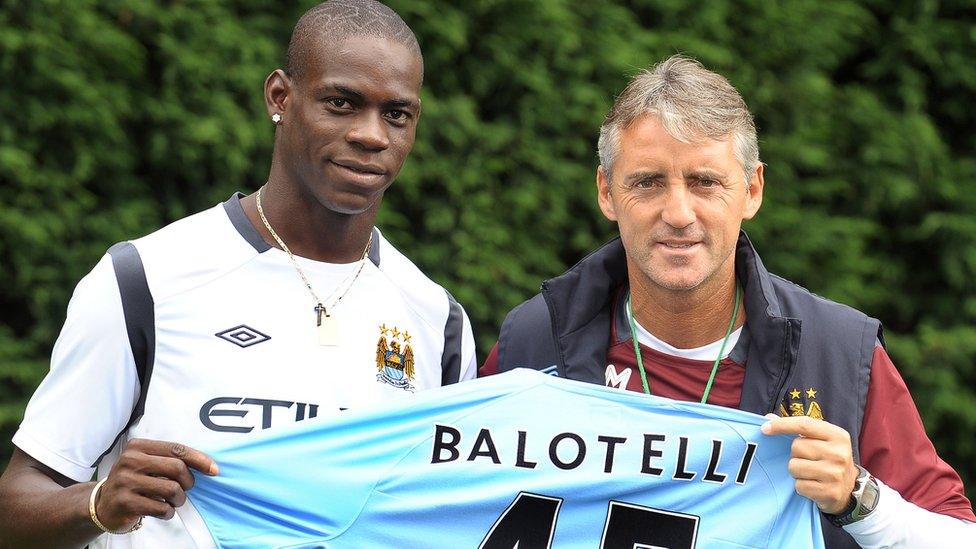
(336, 20)
(691, 102)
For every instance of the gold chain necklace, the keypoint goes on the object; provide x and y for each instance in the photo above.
(326, 325)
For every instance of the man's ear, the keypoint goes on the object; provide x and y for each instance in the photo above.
(604, 194)
(754, 193)
(277, 91)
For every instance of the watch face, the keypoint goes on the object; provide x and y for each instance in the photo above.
(869, 499)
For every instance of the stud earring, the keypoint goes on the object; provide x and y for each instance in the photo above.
(276, 118)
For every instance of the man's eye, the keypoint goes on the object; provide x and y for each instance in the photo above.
(398, 115)
(707, 183)
(338, 103)
(645, 183)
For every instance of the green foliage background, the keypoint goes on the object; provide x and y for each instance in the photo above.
(122, 115)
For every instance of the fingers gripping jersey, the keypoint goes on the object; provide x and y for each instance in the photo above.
(516, 460)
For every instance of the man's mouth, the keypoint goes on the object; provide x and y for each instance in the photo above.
(359, 168)
(677, 245)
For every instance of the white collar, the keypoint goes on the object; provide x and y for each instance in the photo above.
(705, 352)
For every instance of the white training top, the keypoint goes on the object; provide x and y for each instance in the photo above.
(231, 349)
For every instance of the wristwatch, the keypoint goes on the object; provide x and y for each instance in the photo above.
(864, 499)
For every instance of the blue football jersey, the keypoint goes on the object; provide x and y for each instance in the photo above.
(521, 459)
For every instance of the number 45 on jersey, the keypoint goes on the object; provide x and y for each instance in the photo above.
(530, 523)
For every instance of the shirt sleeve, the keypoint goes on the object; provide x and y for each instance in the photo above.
(490, 367)
(898, 523)
(896, 450)
(86, 399)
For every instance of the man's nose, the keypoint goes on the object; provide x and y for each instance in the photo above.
(369, 131)
(679, 209)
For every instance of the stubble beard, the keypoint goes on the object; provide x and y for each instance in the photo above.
(679, 274)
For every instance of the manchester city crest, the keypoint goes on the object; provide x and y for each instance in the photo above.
(794, 406)
(394, 358)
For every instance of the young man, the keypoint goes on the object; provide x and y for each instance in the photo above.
(681, 306)
(266, 310)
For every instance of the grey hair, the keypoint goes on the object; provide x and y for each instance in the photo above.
(691, 102)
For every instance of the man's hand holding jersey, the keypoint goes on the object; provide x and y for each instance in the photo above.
(150, 478)
(822, 460)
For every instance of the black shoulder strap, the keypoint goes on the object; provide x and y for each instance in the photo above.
(451, 356)
(138, 309)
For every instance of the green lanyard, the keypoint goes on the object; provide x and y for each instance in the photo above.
(711, 378)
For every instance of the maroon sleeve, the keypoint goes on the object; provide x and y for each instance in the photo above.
(490, 367)
(895, 448)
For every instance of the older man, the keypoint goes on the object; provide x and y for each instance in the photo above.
(257, 313)
(681, 306)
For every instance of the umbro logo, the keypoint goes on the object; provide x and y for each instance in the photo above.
(243, 336)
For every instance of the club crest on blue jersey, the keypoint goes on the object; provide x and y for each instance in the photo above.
(394, 358)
